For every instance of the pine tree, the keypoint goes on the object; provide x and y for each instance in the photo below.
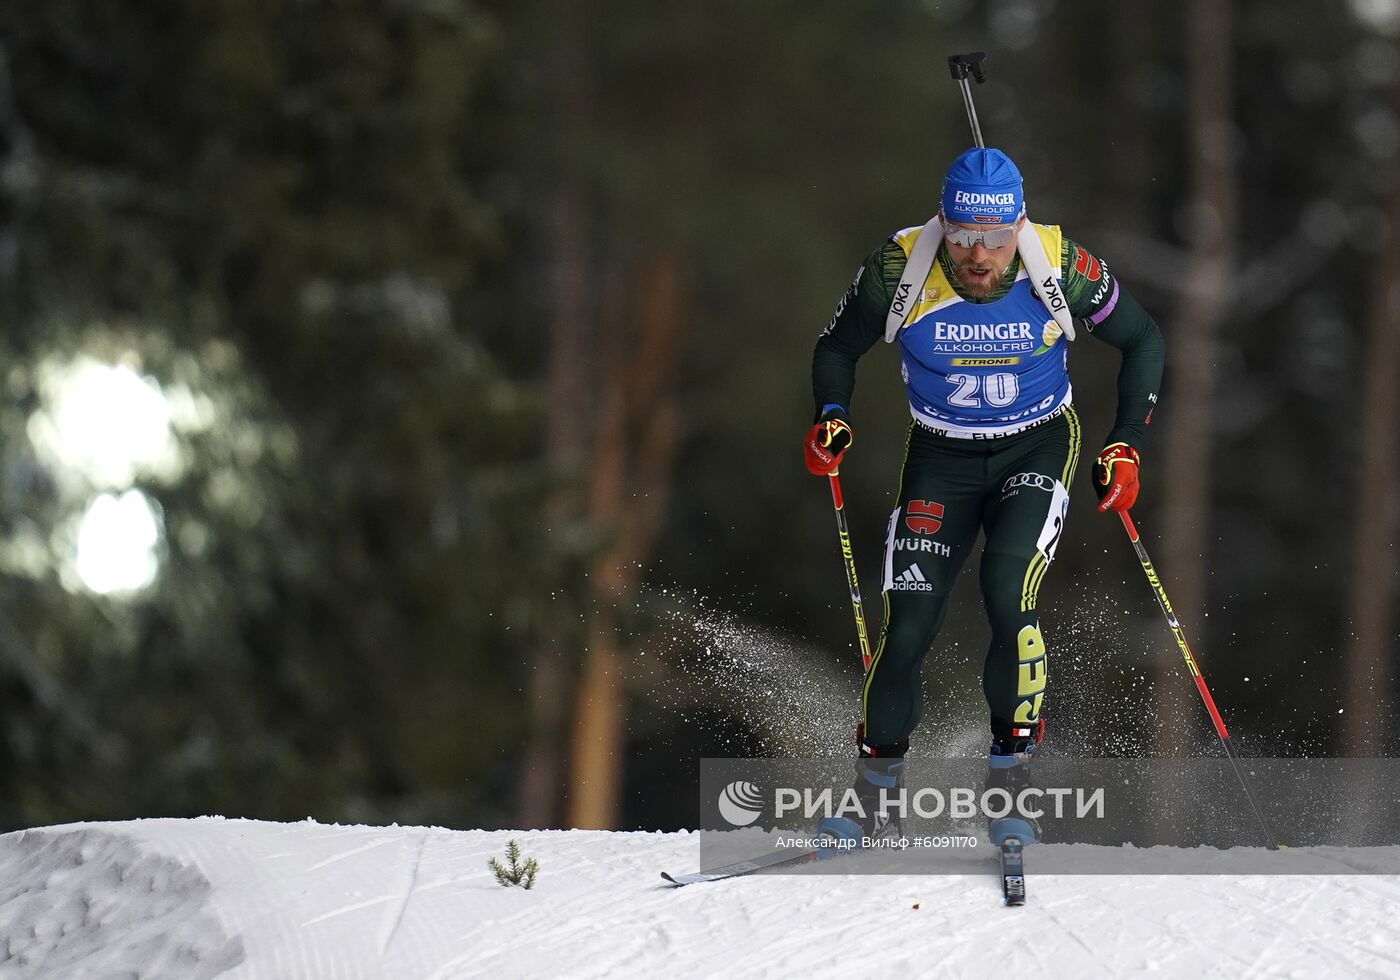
(517, 873)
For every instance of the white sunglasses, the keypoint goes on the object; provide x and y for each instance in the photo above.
(996, 236)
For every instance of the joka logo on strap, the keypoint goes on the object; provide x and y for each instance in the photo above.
(923, 516)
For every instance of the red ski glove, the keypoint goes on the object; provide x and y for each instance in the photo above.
(1116, 476)
(827, 442)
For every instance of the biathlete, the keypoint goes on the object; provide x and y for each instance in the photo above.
(992, 446)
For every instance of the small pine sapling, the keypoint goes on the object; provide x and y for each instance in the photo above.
(518, 873)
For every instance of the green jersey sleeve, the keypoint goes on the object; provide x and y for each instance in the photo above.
(858, 323)
(1104, 308)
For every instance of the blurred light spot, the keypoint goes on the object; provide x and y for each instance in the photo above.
(1016, 23)
(103, 421)
(1382, 16)
(117, 540)
(193, 538)
(1377, 132)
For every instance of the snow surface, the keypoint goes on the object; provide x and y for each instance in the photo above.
(245, 899)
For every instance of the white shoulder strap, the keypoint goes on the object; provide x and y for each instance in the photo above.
(916, 270)
(1042, 276)
(1033, 257)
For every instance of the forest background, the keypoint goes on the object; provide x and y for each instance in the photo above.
(402, 400)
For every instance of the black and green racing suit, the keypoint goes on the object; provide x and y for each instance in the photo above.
(1009, 481)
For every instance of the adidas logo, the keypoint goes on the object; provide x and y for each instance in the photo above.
(911, 580)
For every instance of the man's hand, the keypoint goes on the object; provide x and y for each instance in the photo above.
(827, 442)
(1116, 476)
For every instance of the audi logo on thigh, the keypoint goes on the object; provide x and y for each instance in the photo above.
(1037, 480)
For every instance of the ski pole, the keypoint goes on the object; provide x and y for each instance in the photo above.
(1161, 594)
(960, 66)
(845, 535)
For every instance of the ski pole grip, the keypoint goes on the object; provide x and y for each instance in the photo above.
(961, 65)
(1129, 526)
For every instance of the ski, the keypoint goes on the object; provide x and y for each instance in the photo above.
(777, 859)
(1013, 874)
(1013, 878)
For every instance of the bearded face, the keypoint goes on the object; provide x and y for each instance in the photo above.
(979, 267)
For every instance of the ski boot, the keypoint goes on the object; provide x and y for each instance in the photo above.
(879, 769)
(1009, 769)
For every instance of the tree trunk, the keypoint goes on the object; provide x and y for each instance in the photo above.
(1370, 655)
(571, 328)
(629, 488)
(1185, 469)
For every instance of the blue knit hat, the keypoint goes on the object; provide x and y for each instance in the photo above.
(983, 186)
